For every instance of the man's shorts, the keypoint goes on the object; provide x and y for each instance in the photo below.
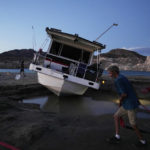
(131, 114)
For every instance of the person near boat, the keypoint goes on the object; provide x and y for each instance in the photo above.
(22, 68)
(128, 104)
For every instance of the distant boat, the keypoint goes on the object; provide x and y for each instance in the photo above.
(67, 66)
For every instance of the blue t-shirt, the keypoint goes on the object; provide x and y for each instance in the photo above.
(123, 86)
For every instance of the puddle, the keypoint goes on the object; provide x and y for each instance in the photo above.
(37, 100)
(81, 105)
(74, 105)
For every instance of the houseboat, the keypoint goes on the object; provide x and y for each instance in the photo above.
(67, 67)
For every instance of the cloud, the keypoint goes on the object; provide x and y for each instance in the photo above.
(133, 48)
(141, 50)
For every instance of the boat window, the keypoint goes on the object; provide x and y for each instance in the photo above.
(71, 52)
(55, 48)
(86, 56)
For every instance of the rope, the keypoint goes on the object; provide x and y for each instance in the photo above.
(130, 128)
(97, 60)
(44, 43)
(145, 108)
(8, 146)
(122, 124)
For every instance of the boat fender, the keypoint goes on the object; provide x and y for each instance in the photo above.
(91, 83)
(65, 76)
(37, 68)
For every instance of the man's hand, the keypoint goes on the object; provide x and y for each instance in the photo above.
(122, 97)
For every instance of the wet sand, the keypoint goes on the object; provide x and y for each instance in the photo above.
(27, 127)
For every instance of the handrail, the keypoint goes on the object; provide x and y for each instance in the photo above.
(37, 57)
(75, 69)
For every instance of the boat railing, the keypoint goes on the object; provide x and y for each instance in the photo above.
(74, 68)
(38, 58)
(84, 71)
(87, 72)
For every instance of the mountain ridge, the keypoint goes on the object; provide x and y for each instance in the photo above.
(125, 59)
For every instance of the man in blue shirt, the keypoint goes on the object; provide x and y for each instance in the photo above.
(128, 103)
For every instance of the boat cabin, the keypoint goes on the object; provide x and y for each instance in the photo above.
(71, 54)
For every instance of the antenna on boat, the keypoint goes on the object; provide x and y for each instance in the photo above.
(114, 24)
(98, 58)
(33, 38)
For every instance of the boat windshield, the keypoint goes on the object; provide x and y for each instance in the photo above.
(70, 52)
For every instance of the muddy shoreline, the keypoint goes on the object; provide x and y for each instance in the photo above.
(26, 127)
(26, 85)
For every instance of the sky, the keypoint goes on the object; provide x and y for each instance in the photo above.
(23, 22)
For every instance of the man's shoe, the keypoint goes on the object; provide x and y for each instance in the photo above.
(140, 144)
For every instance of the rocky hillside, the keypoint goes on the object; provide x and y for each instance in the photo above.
(125, 59)
(12, 59)
(147, 63)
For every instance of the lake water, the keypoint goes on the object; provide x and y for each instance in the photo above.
(15, 70)
(128, 73)
(82, 105)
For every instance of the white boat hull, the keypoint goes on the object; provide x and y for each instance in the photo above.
(59, 84)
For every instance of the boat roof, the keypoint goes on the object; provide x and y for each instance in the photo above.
(74, 40)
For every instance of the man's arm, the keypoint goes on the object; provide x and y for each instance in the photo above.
(122, 97)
